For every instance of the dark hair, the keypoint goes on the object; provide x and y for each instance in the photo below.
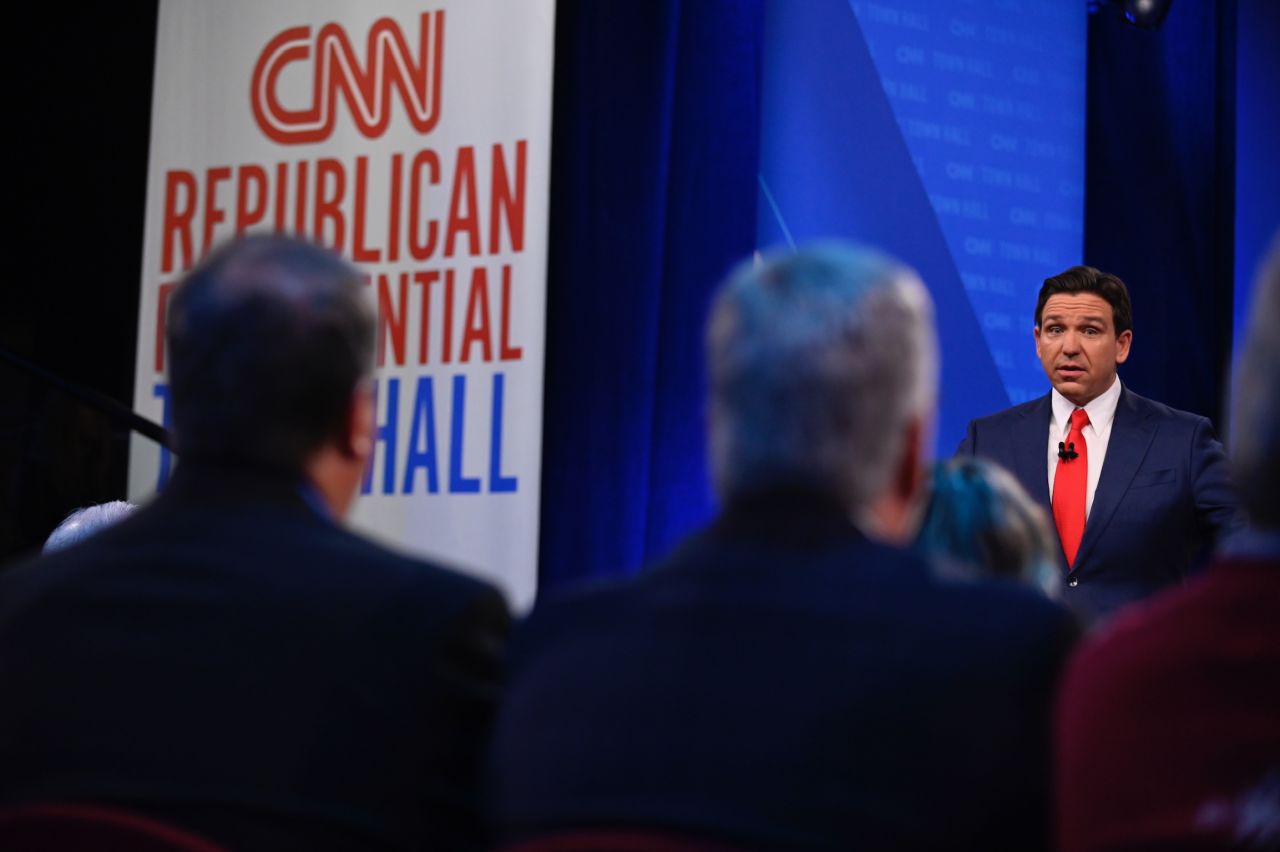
(1086, 279)
(268, 338)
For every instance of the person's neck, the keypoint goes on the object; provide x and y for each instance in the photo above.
(335, 478)
(890, 519)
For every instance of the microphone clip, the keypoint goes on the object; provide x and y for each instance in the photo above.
(1067, 452)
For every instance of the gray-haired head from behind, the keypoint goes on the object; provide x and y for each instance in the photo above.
(1255, 444)
(818, 359)
(83, 523)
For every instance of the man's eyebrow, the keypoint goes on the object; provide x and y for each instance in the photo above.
(1097, 319)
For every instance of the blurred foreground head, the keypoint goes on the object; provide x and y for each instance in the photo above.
(982, 522)
(823, 375)
(1255, 449)
(270, 340)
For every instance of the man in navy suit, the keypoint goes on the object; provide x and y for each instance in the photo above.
(1167, 722)
(790, 678)
(1138, 490)
(229, 658)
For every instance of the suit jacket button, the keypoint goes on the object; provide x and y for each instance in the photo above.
(1073, 582)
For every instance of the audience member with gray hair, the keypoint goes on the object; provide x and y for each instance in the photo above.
(806, 390)
(791, 677)
(84, 522)
(981, 521)
(1169, 722)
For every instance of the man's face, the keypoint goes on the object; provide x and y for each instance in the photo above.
(1078, 345)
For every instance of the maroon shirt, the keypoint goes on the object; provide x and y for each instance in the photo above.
(1168, 728)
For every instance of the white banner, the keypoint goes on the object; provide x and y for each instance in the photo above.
(415, 140)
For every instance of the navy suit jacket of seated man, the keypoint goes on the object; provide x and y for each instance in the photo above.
(1157, 495)
(229, 658)
(784, 680)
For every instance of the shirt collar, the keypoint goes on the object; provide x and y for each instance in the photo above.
(1102, 410)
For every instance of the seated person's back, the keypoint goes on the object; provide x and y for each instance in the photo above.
(230, 659)
(782, 680)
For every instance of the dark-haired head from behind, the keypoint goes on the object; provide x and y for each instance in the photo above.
(268, 338)
(1086, 279)
(981, 522)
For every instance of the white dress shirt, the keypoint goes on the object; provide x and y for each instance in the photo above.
(1102, 413)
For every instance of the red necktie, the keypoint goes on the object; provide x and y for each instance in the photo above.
(1070, 484)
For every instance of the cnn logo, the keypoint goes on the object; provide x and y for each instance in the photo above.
(336, 70)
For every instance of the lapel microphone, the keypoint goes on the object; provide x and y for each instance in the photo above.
(1067, 452)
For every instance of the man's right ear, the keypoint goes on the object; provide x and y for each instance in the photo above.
(911, 475)
(361, 422)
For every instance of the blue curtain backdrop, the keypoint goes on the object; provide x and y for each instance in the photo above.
(1159, 186)
(1257, 184)
(655, 139)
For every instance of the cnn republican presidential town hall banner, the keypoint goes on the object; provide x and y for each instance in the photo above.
(415, 140)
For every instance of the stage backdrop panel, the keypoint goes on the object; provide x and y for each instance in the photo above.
(950, 134)
(415, 140)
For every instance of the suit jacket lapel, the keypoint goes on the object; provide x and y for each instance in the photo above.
(1031, 451)
(1131, 435)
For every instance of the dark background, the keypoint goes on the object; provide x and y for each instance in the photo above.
(79, 129)
(672, 90)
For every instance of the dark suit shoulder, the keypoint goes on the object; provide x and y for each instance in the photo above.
(275, 556)
(565, 612)
(1015, 412)
(989, 436)
(712, 567)
(1151, 408)
(378, 584)
(835, 589)
(437, 578)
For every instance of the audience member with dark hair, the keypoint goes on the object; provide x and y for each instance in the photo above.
(980, 521)
(791, 677)
(86, 521)
(1137, 490)
(1169, 721)
(229, 658)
